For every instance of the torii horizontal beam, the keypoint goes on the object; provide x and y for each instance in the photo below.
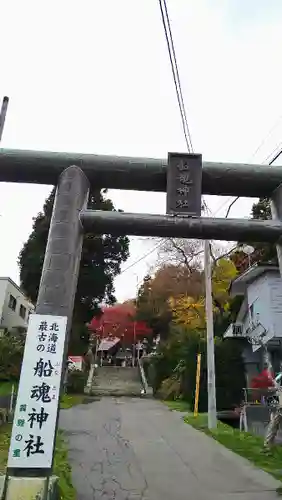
(141, 174)
(119, 223)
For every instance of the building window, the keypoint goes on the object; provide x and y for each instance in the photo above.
(12, 302)
(22, 311)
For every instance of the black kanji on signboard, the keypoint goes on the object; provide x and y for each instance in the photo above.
(43, 327)
(43, 368)
(52, 348)
(33, 446)
(54, 327)
(53, 337)
(41, 392)
(38, 418)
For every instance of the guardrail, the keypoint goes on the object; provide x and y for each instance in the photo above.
(142, 375)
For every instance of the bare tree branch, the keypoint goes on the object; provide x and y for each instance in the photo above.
(226, 254)
(181, 251)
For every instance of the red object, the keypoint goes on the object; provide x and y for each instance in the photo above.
(119, 321)
(263, 380)
(77, 361)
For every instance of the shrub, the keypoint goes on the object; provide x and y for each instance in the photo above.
(170, 389)
(11, 355)
(76, 382)
(177, 359)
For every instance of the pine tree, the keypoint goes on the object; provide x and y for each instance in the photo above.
(264, 252)
(101, 261)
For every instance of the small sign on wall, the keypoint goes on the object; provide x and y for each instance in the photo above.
(76, 362)
(34, 424)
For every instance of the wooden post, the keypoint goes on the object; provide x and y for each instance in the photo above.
(197, 390)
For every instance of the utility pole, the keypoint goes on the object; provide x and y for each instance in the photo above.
(212, 420)
(134, 327)
(3, 114)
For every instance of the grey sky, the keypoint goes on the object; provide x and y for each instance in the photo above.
(94, 76)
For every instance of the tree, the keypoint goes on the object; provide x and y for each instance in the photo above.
(261, 210)
(223, 272)
(178, 273)
(177, 289)
(264, 252)
(101, 261)
(190, 311)
(174, 368)
(119, 320)
(182, 251)
(170, 280)
(152, 307)
(11, 354)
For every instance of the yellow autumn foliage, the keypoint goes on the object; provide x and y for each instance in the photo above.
(190, 312)
(223, 273)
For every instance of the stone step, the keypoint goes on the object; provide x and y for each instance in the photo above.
(117, 381)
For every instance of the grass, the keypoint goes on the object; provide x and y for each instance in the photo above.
(5, 432)
(6, 388)
(62, 470)
(61, 466)
(244, 444)
(178, 405)
(69, 400)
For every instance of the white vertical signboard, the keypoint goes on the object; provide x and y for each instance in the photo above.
(35, 416)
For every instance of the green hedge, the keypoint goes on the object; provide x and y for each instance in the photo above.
(11, 355)
(177, 359)
(76, 382)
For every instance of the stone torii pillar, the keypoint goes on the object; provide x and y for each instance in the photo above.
(56, 298)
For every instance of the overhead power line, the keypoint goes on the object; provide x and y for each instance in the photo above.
(181, 104)
(175, 73)
(275, 155)
(231, 200)
(176, 79)
(143, 256)
(207, 257)
(269, 133)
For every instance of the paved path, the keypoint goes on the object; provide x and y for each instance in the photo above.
(134, 449)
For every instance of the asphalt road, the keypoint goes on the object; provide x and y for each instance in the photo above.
(136, 449)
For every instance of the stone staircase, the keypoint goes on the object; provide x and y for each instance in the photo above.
(117, 381)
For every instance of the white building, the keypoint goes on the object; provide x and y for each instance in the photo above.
(260, 317)
(15, 308)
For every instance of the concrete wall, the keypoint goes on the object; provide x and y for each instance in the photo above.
(17, 314)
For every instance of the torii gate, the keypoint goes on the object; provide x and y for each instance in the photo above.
(74, 174)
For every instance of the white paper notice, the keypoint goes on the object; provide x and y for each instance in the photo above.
(39, 392)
